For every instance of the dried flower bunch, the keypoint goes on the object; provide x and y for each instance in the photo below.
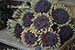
(44, 24)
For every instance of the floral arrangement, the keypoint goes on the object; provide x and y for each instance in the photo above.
(45, 24)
